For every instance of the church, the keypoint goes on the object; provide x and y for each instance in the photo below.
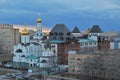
(33, 53)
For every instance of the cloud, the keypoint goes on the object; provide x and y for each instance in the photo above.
(85, 8)
(55, 11)
(59, 6)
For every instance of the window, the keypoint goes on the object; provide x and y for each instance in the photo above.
(72, 58)
(96, 34)
(78, 70)
(61, 38)
(94, 43)
(90, 43)
(68, 33)
(23, 56)
(81, 44)
(54, 51)
(55, 33)
(86, 44)
(73, 70)
(53, 46)
(60, 34)
(92, 34)
(3, 32)
(89, 35)
(78, 59)
(54, 37)
(51, 34)
(71, 62)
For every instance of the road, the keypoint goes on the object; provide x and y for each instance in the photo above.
(4, 71)
(54, 77)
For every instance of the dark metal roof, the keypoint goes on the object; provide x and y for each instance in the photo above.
(60, 32)
(60, 28)
(96, 29)
(76, 30)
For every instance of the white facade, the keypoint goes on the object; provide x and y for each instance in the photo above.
(115, 45)
(25, 48)
(23, 52)
(87, 44)
(94, 36)
(53, 48)
(25, 38)
(77, 34)
(47, 59)
(39, 34)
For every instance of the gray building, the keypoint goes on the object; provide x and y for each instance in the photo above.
(60, 32)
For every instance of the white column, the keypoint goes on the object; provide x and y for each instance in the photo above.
(25, 38)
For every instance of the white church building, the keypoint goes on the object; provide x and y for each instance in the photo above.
(34, 53)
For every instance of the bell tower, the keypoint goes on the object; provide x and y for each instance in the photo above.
(39, 21)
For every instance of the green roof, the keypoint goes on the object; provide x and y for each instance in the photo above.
(38, 61)
(32, 57)
(56, 41)
(86, 40)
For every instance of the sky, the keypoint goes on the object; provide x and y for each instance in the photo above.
(81, 13)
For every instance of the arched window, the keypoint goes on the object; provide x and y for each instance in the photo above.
(43, 61)
(23, 56)
(19, 51)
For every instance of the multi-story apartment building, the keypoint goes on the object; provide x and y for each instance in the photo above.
(103, 65)
(8, 38)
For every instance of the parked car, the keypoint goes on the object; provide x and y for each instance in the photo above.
(8, 65)
(8, 76)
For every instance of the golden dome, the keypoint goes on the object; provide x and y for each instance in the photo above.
(39, 20)
(25, 32)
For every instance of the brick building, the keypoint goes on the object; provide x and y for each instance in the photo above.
(63, 49)
(103, 43)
